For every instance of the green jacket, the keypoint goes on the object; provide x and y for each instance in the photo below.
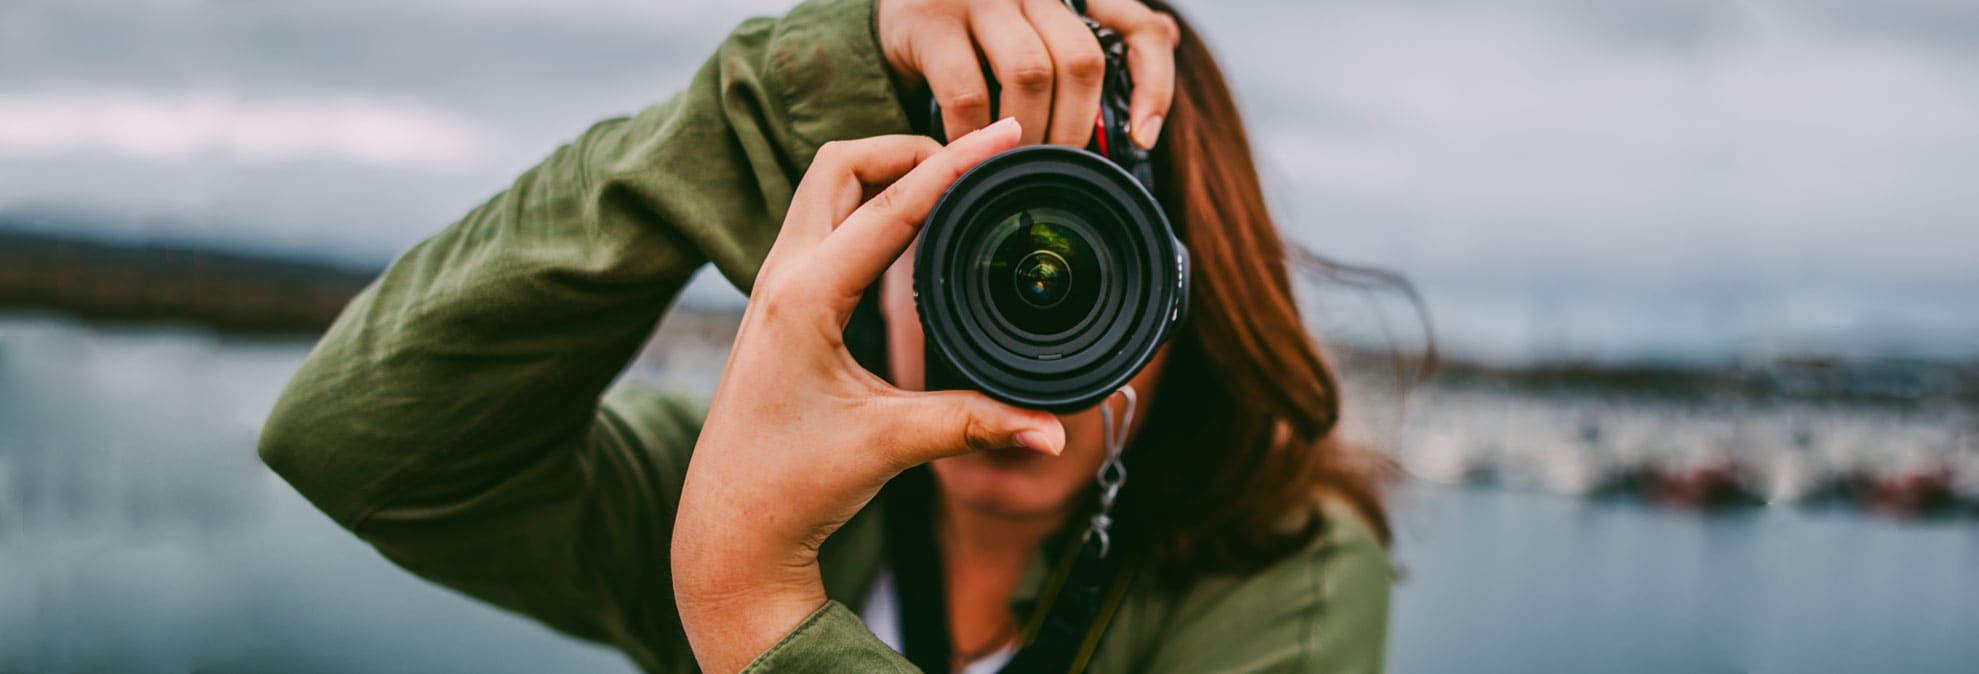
(455, 416)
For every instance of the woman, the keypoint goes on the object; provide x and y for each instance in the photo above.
(453, 417)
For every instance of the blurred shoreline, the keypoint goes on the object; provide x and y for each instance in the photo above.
(157, 282)
(1892, 436)
(230, 291)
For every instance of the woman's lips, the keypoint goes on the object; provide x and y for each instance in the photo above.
(1011, 455)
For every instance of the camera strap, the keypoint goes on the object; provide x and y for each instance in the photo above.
(1073, 611)
(1070, 615)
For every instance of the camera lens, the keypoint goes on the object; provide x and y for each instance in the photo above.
(1046, 277)
(1033, 263)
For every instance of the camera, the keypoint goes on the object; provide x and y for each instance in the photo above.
(1048, 276)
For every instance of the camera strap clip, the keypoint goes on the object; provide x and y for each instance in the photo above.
(1113, 472)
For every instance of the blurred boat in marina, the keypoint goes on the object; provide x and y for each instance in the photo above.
(1807, 465)
(1911, 476)
(1965, 471)
(1446, 455)
(1893, 460)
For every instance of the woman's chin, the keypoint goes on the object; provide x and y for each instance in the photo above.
(1007, 482)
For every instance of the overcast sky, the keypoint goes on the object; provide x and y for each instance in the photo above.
(1600, 179)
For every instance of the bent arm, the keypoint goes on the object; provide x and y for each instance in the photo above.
(452, 414)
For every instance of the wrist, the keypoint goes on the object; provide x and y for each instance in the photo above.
(738, 595)
(715, 570)
(730, 620)
(834, 75)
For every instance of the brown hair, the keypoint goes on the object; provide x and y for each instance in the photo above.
(1241, 438)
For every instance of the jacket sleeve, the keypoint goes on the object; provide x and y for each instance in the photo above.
(832, 639)
(452, 416)
(1325, 610)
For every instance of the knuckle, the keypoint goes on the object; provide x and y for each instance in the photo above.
(1170, 28)
(1029, 73)
(1150, 44)
(770, 298)
(923, 145)
(975, 434)
(967, 102)
(887, 202)
(1088, 66)
(831, 154)
(1145, 22)
(773, 286)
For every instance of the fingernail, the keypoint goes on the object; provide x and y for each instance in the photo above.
(1035, 440)
(1147, 131)
(1007, 122)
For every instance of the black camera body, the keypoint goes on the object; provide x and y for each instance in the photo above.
(1048, 276)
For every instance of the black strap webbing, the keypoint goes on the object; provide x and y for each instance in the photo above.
(916, 566)
(1063, 629)
(1072, 617)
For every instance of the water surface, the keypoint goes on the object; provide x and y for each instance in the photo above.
(139, 532)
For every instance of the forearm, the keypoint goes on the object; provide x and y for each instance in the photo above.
(488, 345)
(451, 415)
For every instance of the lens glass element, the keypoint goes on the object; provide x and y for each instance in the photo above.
(1043, 279)
(1041, 270)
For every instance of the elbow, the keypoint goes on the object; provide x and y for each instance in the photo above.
(315, 439)
(291, 446)
(297, 447)
(281, 443)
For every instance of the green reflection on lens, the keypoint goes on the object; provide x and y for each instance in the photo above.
(1041, 271)
(1043, 279)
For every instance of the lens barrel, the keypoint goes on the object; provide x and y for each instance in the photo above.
(1047, 277)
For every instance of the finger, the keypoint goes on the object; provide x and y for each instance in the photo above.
(1021, 63)
(874, 235)
(955, 78)
(1151, 37)
(1079, 69)
(841, 175)
(941, 424)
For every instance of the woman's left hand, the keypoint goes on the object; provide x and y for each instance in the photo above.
(1049, 64)
(799, 436)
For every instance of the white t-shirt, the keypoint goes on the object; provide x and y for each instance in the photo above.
(882, 615)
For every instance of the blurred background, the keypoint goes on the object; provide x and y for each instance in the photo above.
(1704, 276)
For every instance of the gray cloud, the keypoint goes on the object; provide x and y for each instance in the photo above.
(1706, 179)
(1609, 178)
(511, 65)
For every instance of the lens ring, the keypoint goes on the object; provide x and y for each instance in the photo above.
(1138, 310)
(992, 357)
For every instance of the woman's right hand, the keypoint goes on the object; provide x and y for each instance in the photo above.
(799, 436)
(1047, 61)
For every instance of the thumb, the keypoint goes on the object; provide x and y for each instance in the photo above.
(941, 424)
